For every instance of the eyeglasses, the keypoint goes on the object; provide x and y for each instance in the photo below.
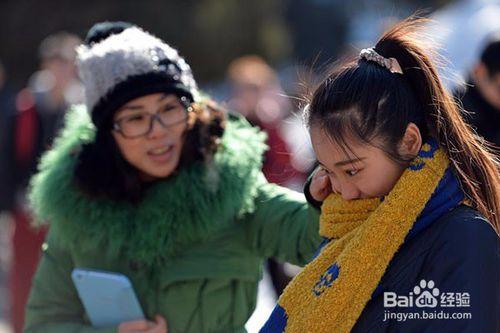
(141, 124)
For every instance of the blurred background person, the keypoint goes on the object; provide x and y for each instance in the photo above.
(40, 109)
(6, 111)
(459, 28)
(481, 95)
(256, 93)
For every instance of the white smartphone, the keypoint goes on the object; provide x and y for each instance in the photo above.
(108, 298)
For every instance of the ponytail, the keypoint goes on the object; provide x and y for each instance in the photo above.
(373, 97)
(475, 161)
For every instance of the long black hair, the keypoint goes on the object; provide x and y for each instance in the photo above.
(367, 101)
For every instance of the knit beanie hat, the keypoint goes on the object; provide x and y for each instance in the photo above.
(120, 62)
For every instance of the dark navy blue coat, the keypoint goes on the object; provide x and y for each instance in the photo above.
(460, 254)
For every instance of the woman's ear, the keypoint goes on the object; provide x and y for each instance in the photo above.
(480, 72)
(411, 142)
(193, 115)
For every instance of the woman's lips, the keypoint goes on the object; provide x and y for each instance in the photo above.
(161, 154)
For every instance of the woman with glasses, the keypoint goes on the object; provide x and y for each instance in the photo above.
(151, 181)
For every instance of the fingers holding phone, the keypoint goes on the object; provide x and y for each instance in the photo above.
(144, 326)
(160, 325)
(135, 326)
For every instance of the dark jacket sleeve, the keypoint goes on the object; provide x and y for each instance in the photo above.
(465, 258)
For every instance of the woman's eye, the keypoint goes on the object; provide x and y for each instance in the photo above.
(138, 117)
(351, 172)
(326, 170)
(168, 108)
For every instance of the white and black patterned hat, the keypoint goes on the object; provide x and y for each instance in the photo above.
(120, 62)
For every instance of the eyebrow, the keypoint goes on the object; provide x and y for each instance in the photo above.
(163, 96)
(140, 107)
(350, 161)
(130, 107)
(345, 162)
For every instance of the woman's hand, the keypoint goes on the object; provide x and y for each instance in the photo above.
(320, 186)
(144, 326)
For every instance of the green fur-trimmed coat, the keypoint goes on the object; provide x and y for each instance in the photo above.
(193, 248)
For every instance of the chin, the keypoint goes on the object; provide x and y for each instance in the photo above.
(155, 174)
(163, 173)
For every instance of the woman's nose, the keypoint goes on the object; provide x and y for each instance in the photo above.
(157, 128)
(347, 190)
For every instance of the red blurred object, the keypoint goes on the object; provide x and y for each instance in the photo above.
(26, 249)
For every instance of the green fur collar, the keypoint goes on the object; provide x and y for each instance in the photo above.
(178, 211)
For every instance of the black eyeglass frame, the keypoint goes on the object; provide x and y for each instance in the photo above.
(187, 109)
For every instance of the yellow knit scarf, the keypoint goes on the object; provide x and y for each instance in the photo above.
(332, 291)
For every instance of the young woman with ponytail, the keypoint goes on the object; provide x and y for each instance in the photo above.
(410, 203)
